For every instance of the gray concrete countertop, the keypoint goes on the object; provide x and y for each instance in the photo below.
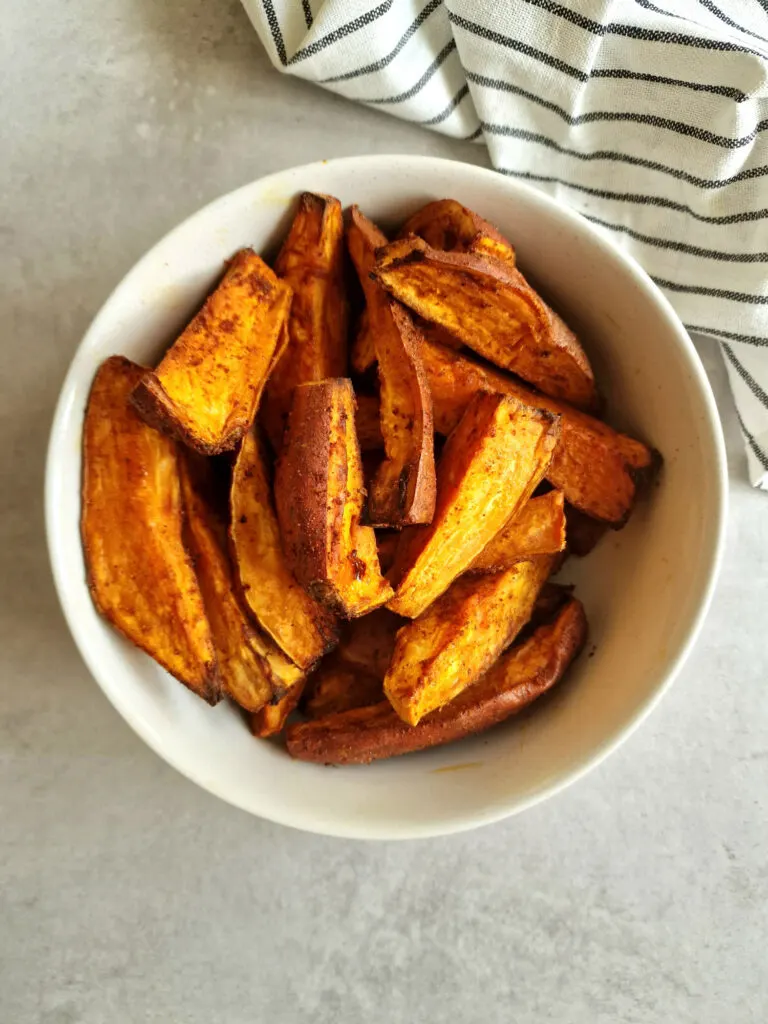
(129, 895)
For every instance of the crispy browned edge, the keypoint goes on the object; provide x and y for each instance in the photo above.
(494, 557)
(325, 623)
(413, 250)
(151, 402)
(496, 379)
(201, 503)
(277, 398)
(442, 212)
(414, 542)
(371, 733)
(414, 502)
(211, 693)
(407, 497)
(271, 719)
(301, 467)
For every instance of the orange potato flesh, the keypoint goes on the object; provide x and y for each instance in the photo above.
(487, 245)
(460, 636)
(207, 387)
(490, 306)
(596, 468)
(319, 495)
(270, 720)
(490, 466)
(538, 529)
(521, 675)
(140, 575)
(403, 489)
(446, 224)
(252, 669)
(303, 629)
(311, 261)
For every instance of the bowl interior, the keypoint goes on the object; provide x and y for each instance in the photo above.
(645, 588)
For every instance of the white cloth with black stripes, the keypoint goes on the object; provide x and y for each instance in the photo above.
(650, 119)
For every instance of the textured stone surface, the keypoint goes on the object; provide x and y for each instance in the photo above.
(128, 895)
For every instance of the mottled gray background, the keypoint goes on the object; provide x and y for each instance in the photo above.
(126, 894)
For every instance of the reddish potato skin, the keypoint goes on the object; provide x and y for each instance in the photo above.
(520, 676)
(319, 495)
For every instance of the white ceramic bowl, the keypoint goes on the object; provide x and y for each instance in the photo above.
(645, 588)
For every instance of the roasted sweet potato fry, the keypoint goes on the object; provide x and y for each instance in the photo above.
(270, 720)
(368, 423)
(311, 261)
(253, 669)
(490, 466)
(403, 490)
(139, 573)
(597, 469)
(538, 529)
(459, 637)
(207, 387)
(303, 629)
(446, 224)
(490, 306)
(521, 675)
(319, 495)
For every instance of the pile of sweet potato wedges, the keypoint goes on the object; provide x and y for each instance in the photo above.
(265, 512)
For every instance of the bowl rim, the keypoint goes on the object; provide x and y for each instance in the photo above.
(462, 821)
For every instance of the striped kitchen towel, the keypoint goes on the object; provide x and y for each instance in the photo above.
(651, 119)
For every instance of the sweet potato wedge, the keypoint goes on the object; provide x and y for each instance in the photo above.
(490, 306)
(303, 629)
(490, 466)
(270, 720)
(207, 387)
(446, 224)
(597, 469)
(140, 575)
(538, 529)
(459, 637)
(253, 669)
(311, 261)
(521, 675)
(319, 495)
(403, 489)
